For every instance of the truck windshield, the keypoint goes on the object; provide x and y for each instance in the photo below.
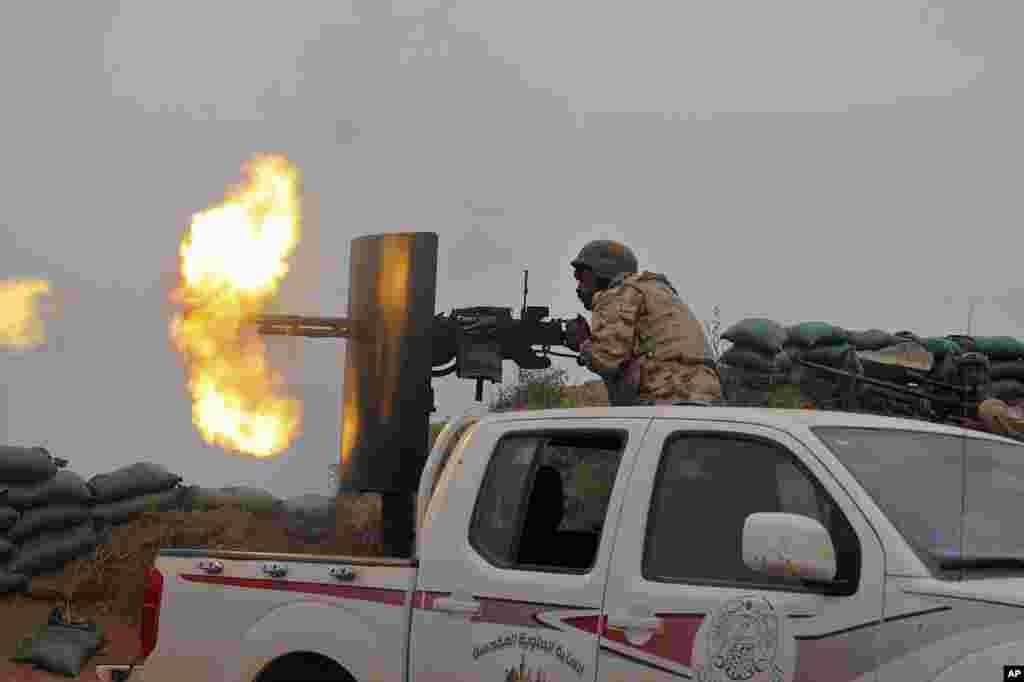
(954, 498)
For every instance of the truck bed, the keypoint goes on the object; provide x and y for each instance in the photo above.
(242, 613)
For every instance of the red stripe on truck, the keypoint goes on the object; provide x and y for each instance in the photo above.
(380, 595)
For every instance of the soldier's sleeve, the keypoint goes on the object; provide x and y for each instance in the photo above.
(613, 330)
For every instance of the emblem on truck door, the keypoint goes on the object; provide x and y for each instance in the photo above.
(744, 639)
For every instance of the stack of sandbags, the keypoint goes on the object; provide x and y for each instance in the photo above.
(123, 494)
(819, 342)
(754, 361)
(1006, 359)
(310, 518)
(50, 512)
(9, 582)
(871, 339)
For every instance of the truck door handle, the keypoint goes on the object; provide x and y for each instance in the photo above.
(275, 570)
(628, 622)
(342, 573)
(211, 566)
(469, 606)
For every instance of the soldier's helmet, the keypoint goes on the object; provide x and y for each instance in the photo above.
(608, 259)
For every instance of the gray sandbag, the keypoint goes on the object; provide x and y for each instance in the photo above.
(8, 515)
(64, 487)
(1012, 369)
(50, 551)
(60, 647)
(808, 334)
(12, 582)
(1008, 390)
(871, 339)
(6, 548)
(25, 465)
(131, 481)
(43, 519)
(759, 333)
(831, 354)
(748, 358)
(124, 510)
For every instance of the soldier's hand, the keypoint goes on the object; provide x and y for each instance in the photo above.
(583, 360)
(576, 333)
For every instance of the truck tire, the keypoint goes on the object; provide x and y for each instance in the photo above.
(304, 666)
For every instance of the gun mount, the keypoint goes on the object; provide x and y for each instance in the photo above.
(398, 345)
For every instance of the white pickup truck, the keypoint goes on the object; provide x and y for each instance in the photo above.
(648, 543)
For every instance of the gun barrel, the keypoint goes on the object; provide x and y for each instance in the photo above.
(302, 325)
(940, 400)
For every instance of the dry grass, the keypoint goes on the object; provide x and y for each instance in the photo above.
(589, 394)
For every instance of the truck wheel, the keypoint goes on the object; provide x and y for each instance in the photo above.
(304, 667)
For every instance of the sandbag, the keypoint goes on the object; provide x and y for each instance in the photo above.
(945, 369)
(1008, 390)
(907, 355)
(42, 519)
(940, 346)
(828, 355)
(12, 582)
(8, 515)
(758, 333)
(50, 551)
(809, 334)
(1008, 369)
(748, 358)
(65, 487)
(131, 481)
(61, 648)
(871, 339)
(1000, 347)
(125, 510)
(6, 548)
(25, 465)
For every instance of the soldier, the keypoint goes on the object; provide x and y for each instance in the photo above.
(1002, 418)
(645, 343)
(974, 371)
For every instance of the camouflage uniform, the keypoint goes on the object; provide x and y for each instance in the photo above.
(647, 345)
(1002, 419)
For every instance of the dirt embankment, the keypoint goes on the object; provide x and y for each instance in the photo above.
(108, 587)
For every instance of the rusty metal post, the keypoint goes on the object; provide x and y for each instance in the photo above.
(387, 398)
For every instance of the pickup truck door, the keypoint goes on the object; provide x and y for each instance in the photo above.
(515, 552)
(682, 604)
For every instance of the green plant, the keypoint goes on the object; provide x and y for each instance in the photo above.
(534, 390)
(785, 396)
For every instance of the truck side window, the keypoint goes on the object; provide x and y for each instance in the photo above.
(543, 501)
(706, 487)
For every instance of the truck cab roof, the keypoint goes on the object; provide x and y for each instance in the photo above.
(785, 419)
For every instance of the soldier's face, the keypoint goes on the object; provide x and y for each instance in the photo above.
(585, 283)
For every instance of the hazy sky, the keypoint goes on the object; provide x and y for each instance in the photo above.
(799, 160)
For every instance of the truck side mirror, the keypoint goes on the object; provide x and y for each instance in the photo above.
(789, 546)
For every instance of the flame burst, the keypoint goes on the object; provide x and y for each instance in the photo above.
(232, 262)
(21, 321)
